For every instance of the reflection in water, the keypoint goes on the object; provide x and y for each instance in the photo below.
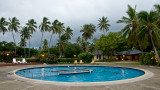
(42, 72)
(122, 70)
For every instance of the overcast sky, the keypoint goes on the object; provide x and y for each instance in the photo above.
(73, 13)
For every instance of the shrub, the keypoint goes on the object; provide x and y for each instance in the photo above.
(86, 56)
(148, 58)
(49, 59)
(110, 60)
(68, 60)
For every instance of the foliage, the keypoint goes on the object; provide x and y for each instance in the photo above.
(148, 58)
(48, 58)
(110, 59)
(71, 50)
(86, 56)
(68, 60)
(7, 56)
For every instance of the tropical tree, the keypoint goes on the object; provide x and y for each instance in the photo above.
(103, 24)
(13, 27)
(68, 33)
(78, 41)
(148, 28)
(32, 28)
(3, 24)
(53, 29)
(88, 31)
(45, 44)
(130, 30)
(44, 27)
(60, 30)
(24, 35)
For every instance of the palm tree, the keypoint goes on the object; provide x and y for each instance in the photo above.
(157, 7)
(3, 23)
(13, 27)
(103, 24)
(44, 27)
(53, 29)
(68, 33)
(130, 30)
(22, 43)
(78, 40)
(32, 28)
(88, 31)
(60, 30)
(25, 35)
(45, 44)
(148, 28)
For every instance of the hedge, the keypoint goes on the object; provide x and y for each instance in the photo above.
(68, 60)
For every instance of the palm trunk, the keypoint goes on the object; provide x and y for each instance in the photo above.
(138, 41)
(49, 44)
(103, 31)
(29, 48)
(154, 46)
(40, 44)
(14, 42)
(24, 49)
(60, 46)
(86, 45)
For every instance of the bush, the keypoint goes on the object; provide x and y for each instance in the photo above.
(148, 58)
(86, 56)
(110, 59)
(68, 60)
(49, 59)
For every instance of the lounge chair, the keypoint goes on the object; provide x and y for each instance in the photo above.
(92, 62)
(14, 60)
(81, 62)
(75, 62)
(23, 60)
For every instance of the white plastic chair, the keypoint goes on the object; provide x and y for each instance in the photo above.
(24, 60)
(14, 60)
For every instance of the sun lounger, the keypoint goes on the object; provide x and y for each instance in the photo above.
(23, 60)
(81, 62)
(14, 60)
(75, 62)
(92, 62)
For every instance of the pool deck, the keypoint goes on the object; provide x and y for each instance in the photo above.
(8, 83)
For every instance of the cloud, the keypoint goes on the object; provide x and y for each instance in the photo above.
(74, 13)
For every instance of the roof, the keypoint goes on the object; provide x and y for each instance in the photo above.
(97, 52)
(130, 52)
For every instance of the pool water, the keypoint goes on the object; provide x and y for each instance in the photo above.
(99, 73)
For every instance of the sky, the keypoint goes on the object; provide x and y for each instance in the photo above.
(73, 13)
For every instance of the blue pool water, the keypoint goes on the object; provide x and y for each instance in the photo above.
(99, 74)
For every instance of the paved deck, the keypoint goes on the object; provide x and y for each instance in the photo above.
(7, 83)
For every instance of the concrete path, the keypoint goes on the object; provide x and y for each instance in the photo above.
(7, 83)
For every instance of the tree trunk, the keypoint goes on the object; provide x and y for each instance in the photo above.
(140, 46)
(86, 45)
(29, 48)
(154, 46)
(14, 42)
(111, 53)
(40, 44)
(24, 49)
(60, 46)
(49, 44)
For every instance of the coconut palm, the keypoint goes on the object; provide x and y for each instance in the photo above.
(3, 24)
(60, 30)
(44, 27)
(103, 24)
(88, 31)
(54, 27)
(13, 27)
(78, 40)
(32, 28)
(25, 35)
(45, 44)
(68, 33)
(130, 30)
(148, 28)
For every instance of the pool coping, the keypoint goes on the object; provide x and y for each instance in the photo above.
(148, 74)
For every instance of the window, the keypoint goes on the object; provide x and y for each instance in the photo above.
(99, 56)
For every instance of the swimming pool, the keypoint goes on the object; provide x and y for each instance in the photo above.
(98, 73)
